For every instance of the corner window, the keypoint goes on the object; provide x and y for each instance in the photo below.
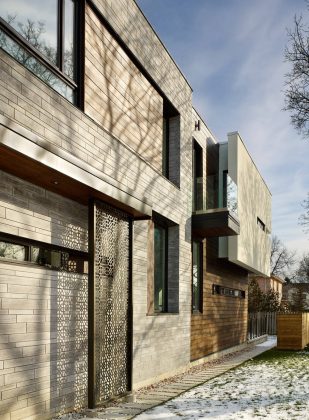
(197, 276)
(160, 269)
(41, 36)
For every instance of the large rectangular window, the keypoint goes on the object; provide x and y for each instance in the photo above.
(41, 36)
(197, 276)
(160, 268)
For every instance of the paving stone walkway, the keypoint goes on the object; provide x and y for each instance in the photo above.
(163, 391)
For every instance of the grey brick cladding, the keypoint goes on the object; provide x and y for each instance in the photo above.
(44, 380)
(43, 313)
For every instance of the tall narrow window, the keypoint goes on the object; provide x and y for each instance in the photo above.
(42, 38)
(197, 275)
(197, 176)
(170, 142)
(165, 148)
(160, 269)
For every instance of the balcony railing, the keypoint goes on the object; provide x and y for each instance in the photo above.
(216, 197)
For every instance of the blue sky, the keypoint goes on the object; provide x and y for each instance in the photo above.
(232, 53)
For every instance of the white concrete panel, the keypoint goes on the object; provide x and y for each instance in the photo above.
(250, 249)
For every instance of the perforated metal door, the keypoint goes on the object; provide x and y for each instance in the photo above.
(111, 302)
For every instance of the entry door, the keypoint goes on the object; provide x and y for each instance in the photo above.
(109, 304)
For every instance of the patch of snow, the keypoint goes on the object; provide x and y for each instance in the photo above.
(274, 390)
(270, 342)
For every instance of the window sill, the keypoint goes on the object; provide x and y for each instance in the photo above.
(162, 313)
(37, 266)
(196, 313)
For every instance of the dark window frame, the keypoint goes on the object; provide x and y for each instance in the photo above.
(261, 224)
(197, 173)
(224, 180)
(199, 308)
(165, 284)
(165, 147)
(77, 83)
(168, 146)
(29, 244)
(224, 291)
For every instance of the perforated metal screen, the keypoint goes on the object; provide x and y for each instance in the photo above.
(112, 294)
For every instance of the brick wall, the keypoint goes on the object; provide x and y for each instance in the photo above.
(31, 104)
(43, 322)
(119, 97)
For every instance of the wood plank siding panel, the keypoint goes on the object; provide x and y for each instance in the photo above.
(119, 97)
(223, 322)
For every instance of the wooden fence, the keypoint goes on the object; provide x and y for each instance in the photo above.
(260, 323)
(292, 331)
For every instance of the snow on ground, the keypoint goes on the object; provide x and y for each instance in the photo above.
(274, 388)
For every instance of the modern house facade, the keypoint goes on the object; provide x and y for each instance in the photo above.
(108, 255)
(231, 223)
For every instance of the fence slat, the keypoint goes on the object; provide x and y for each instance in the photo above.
(260, 323)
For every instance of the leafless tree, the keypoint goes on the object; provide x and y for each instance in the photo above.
(281, 259)
(304, 218)
(303, 269)
(297, 80)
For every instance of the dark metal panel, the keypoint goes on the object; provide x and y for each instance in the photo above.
(217, 223)
(60, 28)
(91, 305)
(130, 308)
(80, 52)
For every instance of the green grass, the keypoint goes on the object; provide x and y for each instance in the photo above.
(280, 357)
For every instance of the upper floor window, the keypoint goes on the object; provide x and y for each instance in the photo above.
(260, 224)
(171, 143)
(41, 36)
(165, 148)
(197, 173)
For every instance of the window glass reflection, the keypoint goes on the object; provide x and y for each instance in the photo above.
(12, 251)
(197, 253)
(32, 64)
(68, 56)
(159, 268)
(36, 21)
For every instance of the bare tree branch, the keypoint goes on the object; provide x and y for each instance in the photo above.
(281, 259)
(304, 218)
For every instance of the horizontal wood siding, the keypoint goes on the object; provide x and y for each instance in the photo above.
(292, 331)
(118, 96)
(223, 322)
